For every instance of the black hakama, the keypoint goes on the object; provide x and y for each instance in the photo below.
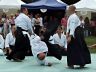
(53, 49)
(22, 44)
(77, 52)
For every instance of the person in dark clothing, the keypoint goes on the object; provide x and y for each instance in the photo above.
(87, 31)
(23, 29)
(77, 50)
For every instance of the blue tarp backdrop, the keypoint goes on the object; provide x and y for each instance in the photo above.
(46, 4)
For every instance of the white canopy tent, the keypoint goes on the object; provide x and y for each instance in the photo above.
(10, 4)
(86, 5)
(60, 1)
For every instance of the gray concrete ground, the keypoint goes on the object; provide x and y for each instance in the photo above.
(30, 65)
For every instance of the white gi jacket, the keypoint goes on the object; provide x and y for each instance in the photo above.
(9, 40)
(1, 42)
(24, 22)
(60, 41)
(72, 24)
(37, 45)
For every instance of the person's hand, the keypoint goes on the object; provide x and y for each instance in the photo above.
(5, 50)
(65, 49)
(69, 39)
(67, 35)
(9, 50)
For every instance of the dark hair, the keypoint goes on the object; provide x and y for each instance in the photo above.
(12, 25)
(87, 22)
(22, 9)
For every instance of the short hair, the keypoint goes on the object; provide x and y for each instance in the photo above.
(72, 7)
(22, 9)
(81, 17)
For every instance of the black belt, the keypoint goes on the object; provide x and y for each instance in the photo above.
(22, 29)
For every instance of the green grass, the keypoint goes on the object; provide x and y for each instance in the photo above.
(90, 41)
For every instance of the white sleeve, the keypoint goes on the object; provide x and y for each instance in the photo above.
(32, 22)
(54, 38)
(1, 42)
(65, 42)
(29, 25)
(7, 41)
(41, 22)
(51, 40)
(72, 26)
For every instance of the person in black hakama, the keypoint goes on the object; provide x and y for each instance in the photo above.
(12, 52)
(24, 28)
(60, 39)
(77, 50)
(10, 44)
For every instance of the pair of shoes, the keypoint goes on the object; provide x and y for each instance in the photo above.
(71, 66)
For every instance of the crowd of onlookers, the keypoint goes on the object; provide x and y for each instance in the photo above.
(89, 25)
(38, 23)
(6, 21)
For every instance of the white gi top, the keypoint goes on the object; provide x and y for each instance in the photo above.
(9, 40)
(40, 21)
(37, 45)
(24, 22)
(73, 22)
(60, 41)
(1, 42)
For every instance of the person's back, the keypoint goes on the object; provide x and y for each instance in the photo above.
(23, 22)
(22, 19)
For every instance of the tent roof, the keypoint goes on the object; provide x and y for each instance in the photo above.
(10, 4)
(46, 4)
(86, 5)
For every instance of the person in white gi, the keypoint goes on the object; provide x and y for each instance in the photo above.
(23, 24)
(77, 50)
(10, 42)
(1, 45)
(39, 50)
(60, 39)
(23, 21)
